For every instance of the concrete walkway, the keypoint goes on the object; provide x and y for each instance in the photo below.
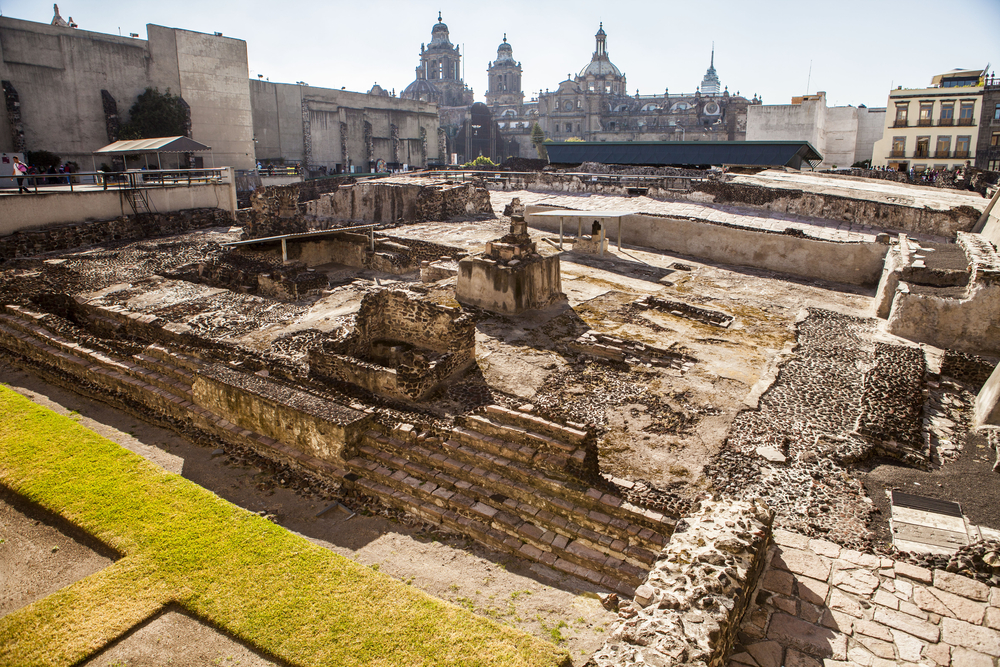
(820, 605)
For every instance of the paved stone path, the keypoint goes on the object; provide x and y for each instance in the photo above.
(731, 215)
(820, 605)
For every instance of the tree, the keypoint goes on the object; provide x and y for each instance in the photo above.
(156, 114)
(481, 161)
(538, 140)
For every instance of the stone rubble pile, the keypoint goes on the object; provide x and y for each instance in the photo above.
(979, 560)
(689, 610)
(892, 404)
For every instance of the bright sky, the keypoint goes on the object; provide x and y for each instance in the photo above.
(855, 50)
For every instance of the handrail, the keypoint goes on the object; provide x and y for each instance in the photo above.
(131, 179)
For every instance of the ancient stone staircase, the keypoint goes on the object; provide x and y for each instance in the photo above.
(518, 493)
(519, 483)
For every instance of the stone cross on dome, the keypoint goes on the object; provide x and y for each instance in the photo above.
(57, 19)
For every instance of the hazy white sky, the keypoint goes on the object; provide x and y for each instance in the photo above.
(858, 49)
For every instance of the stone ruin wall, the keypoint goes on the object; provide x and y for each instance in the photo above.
(690, 607)
(391, 202)
(443, 339)
(124, 228)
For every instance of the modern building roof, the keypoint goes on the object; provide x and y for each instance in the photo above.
(157, 145)
(686, 153)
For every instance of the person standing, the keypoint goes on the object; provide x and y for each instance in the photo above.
(19, 171)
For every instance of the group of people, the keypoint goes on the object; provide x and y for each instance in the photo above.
(53, 176)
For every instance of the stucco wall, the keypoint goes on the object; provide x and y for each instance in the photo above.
(59, 73)
(281, 132)
(871, 124)
(852, 263)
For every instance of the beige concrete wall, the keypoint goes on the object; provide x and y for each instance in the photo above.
(851, 263)
(971, 324)
(988, 401)
(37, 211)
(280, 130)
(871, 123)
(59, 74)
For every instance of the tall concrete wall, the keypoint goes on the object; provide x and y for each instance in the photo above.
(842, 135)
(326, 128)
(851, 263)
(59, 73)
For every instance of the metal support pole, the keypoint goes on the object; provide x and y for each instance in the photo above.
(560, 232)
(604, 222)
(284, 251)
(619, 233)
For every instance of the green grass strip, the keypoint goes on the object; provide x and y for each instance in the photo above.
(233, 569)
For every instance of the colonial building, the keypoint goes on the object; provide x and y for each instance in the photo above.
(935, 127)
(439, 74)
(595, 105)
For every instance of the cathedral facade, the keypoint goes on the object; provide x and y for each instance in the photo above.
(594, 105)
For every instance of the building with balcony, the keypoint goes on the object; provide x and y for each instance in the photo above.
(937, 127)
(988, 146)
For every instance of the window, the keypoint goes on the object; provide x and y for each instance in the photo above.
(590, 86)
(923, 147)
(898, 147)
(943, 147)
(579, 104)
(995, 139)
(962, 146)
(994, 165)
(607, 88)
(926, 113)
(947, 113)
(578, 128)
(569, 127)
(902, 108)
(965, 112)
(996, 113)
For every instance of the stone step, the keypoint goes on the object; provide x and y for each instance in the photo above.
(504, 530)
(188, 362)
(520, 435)
(164, 374)
(556, 463)
(564, 495)
(566, 434)
(31, 325)
(640, 545)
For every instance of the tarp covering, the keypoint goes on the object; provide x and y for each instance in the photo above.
(158, 145)
(685, 153)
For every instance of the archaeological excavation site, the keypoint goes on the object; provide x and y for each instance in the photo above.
(695, 419)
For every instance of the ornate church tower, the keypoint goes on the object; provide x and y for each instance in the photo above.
(710, 85)
(505, 78)
(439, 74)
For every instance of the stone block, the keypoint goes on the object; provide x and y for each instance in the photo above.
(873, 630)
(966, 658)
(878, 647)
(959, 585)
(907, 623)
(767, 653)
(960, 607)
(921, 574)
(973, 637)
(798, 561)
(788, 539)
(939, 653)
(812, 639)
(778, 581)
(795, 658)
(908, 646)
(839, 601)
(857, 581)
(811, 590)
(824, 548)
(992, 619)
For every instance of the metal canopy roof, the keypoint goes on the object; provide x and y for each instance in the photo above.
(157, 145)
(685, 153)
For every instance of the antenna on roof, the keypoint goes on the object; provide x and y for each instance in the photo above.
(809, 78)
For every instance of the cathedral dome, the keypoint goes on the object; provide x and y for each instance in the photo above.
(439, 35)
(600, 65)
(505, 54)
(421, 89)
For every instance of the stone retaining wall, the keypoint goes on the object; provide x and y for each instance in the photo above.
(314, 426)
(690, 608)
(27, 243)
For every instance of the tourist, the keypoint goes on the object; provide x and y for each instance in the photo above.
(20, 170)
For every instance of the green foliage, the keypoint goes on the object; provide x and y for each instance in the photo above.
(155, 114)
(537, 140)
(481, 161)
(573, 139)
(42, 160)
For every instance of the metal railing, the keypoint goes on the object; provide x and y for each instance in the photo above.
(925, 122)
(897, 154)
(944, 154)
(946, 121)
(120, 180)
(900, 122)
(966, 121)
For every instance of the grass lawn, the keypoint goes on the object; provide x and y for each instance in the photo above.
(231, 568)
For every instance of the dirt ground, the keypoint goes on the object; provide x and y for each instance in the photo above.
(531, 597)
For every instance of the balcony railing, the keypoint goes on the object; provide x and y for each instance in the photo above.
(961, 154)
(944, 154)
(946, 121)
(920, 153)
(925, 122)
(897, 154)
(900, 122)
(966, 121)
